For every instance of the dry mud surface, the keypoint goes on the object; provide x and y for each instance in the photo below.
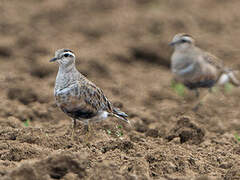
(121, 46)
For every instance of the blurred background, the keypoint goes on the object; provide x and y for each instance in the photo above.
(122, 46)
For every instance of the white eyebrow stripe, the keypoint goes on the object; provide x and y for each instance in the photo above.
(68, 53)
(186, 38)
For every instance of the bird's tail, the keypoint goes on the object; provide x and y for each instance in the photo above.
(233, 79)
(229, 76)
(121, 115)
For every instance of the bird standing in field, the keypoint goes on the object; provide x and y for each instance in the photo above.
(78, 97)
(196, 68)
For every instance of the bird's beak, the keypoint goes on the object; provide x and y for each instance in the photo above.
(53, 59)
(172, 43)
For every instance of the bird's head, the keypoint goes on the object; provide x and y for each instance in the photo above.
(64, 57)
(182, 41)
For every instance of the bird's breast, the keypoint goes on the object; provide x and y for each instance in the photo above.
(70, 95)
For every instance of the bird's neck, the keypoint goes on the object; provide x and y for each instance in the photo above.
(66, 76)
(183, 48)
(66, 69)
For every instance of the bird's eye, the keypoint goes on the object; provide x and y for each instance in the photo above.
(183, 40)
(66, 55)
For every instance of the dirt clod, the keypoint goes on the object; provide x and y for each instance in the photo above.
(152, 133)
(187, 132)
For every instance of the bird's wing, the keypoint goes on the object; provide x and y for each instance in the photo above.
(83, 100)
(213, 60)
(94, 97)
(185, 70)
(96, 100)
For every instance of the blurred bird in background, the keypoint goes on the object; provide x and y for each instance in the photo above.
(196, 68)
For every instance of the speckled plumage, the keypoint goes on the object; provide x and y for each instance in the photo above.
(78, 97)
(196, 68)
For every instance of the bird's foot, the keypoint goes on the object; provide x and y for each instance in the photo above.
(197, 106)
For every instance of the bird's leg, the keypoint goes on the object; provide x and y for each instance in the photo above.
(87, 131)
(202, 100)
(86, 127)
(210, 90)
(74, 124)
(198, 104)
(197, 93)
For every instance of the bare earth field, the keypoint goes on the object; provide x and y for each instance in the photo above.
(121, 46)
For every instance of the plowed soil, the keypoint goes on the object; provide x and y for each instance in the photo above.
(122, 46)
